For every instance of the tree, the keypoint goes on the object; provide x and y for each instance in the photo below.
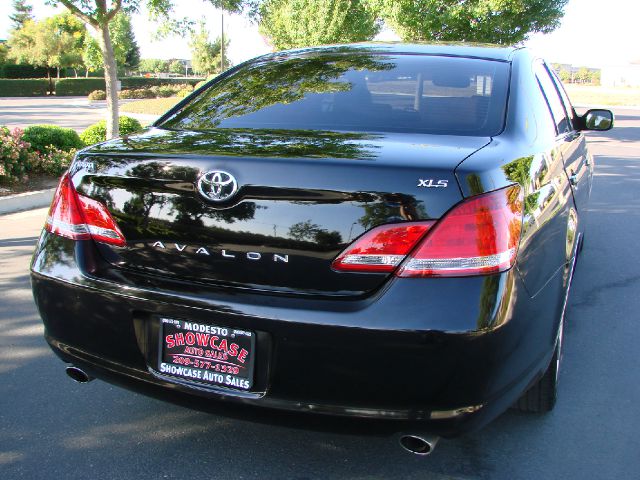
(205, 55)
(176, 66)
(22, 13)
(124, 41)
(303, 23)
(55, 42)
(495, 21)
(99, 14)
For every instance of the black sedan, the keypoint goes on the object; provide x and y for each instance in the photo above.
(383, 230)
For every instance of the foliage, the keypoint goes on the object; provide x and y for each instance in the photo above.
(494, 21)
(91, 54)
(42, 136)
(15, 157)
(23, 88)
(183, 92)
(22, 13)
(137, 93)
(139, 82)
(97, 132)
(176, 66)
(78, 86)
(55, 42)
(153, 65)
(52, 161)
(303, 23)
(124, 41)
(205, 55)
(97, 95)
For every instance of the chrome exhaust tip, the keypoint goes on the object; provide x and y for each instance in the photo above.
(418, 444)
(78, 375)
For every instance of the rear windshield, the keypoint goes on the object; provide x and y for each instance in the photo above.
(360, 92)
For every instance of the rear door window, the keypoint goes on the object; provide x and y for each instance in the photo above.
(556, 108)
(358, 91)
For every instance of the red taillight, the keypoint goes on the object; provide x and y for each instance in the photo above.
(382, 248)
(477, 237)
(80, 218)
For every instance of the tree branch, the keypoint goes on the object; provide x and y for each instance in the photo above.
(114, 10)
(79, 13)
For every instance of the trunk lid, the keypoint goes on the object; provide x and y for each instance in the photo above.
(302, 197)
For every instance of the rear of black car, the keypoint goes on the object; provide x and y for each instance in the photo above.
(294, 236)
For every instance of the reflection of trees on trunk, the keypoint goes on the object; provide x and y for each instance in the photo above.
(392, 208)
(311, 232)
(280, 81)
(191, 211)
(240, 142)
(139, 206)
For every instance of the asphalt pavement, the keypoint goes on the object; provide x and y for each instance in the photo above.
(53, 428)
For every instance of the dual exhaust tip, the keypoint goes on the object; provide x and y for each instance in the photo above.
(417, 444)
(78, 375)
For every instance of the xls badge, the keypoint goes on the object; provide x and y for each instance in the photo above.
(431, 183)
(217, 186)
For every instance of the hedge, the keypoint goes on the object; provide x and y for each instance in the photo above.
(97, 132)
(42, 136)
(9, 70)
(78, 86)
(142, 82)
(23, 88)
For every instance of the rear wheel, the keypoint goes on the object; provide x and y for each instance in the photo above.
(541, 397)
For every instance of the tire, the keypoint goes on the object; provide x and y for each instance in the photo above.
(541, 396)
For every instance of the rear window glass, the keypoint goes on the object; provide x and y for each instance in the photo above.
(355, 92)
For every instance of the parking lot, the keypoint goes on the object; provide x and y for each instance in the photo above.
(53, 428)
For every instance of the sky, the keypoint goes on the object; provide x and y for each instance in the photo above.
(593, 33)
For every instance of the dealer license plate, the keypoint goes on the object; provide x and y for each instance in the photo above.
(207, 354)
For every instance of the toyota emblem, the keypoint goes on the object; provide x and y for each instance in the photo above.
(217, 186)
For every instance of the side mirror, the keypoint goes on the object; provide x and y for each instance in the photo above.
(597, 119)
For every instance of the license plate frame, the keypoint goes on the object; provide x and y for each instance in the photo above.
(203, 354)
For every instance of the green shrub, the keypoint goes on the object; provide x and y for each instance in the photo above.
(183, 93)
(97, 132)
(9, 70)
(97, 95)
(23, 88)
(164, 91)
(142, 82)
(78, 86)
(137, 93)
(53, 161)
(42, 136)
(16, 159)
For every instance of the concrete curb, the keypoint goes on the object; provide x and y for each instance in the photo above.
(26, 201)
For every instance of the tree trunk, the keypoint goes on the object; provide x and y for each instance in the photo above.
(111, 81)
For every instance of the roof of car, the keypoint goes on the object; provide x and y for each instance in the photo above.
(472, 50)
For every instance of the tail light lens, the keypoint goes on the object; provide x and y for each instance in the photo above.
(381, 249)
(478, 236)
(80, 218)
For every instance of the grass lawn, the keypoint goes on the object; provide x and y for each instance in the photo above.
(150, 106)
(589, 95)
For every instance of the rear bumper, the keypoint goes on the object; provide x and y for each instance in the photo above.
(451, 354)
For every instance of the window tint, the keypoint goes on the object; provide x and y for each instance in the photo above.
(553, 100)
(356, 91)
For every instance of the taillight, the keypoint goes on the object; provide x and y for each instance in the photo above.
(80, 218)
(479, 236)
(381, 249)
